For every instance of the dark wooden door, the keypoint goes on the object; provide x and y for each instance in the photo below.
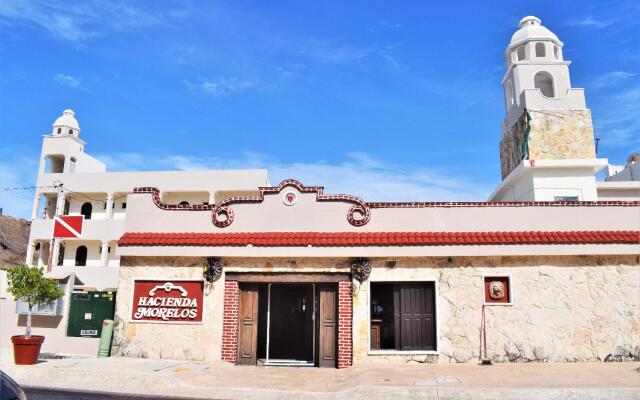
(414, 312)
(327, 321)
(248, 321)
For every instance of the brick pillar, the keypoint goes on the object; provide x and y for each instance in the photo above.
(230, 321)
(345, 311)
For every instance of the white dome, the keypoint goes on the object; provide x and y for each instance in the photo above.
(530, 29)
(67, 120)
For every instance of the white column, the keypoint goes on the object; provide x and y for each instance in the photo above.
(60, 203)
(104, 256)
(212, 198)
(41, 261)
(30, 250)
(109, 209)
(55, 253)
(36, 205)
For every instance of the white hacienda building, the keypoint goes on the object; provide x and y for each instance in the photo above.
(71, 182)
(551, 233)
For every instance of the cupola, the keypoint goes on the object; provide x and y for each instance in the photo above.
(66, 124)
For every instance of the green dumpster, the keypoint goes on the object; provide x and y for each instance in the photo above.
(87, 311)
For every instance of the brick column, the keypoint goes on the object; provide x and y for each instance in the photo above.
(345, 311)
(230, 321)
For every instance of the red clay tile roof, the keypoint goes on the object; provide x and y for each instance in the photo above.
(364, 239)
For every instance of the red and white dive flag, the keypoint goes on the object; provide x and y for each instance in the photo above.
(68, 226)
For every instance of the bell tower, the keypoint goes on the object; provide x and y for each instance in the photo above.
(546, 119)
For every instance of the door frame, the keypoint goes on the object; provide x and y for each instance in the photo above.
(437, 319)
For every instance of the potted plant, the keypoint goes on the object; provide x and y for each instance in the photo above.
(30, 286)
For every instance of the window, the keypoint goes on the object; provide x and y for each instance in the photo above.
(540, 50)
(566, 198)
(520, 51)
(124, 205)
(72, 165)
(86, 210)
(184, 204)
(70, 131)
(81, 256)
(403, 316)
(509, 94)
(544, 82)
(59, 130)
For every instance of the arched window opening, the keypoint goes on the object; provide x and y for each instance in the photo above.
(54, 164)
(544, 82)
(556, 52)
(86, 210)
(59, 130)
(72, 164)
(70, 131)
(520, 52)
(184, 204)
(540, 50)
(81, 256)
(509, 94)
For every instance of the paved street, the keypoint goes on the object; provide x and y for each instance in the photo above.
(63, 394)
(69, 378)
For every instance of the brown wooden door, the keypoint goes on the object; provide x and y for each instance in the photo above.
(248, 324)
(328, 322)
(414, 311)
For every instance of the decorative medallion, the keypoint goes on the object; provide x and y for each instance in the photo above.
(212, 269)
(290, 198)
(496, 290)
(360, 269)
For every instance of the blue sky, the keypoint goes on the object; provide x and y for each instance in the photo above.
(386, 100)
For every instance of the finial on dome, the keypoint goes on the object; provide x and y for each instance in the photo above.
(529, 20)
(69, 112)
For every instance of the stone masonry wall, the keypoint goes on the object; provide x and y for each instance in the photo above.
(199, 342)
(554, 135)
(565, 309)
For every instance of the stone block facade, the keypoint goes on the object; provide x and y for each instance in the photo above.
(564, 308)
(554, 135)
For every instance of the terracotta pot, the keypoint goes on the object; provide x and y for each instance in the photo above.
(26, 350)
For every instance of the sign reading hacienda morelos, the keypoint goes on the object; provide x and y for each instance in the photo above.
(177, 301)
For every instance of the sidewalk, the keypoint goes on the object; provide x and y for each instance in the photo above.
(221, 380)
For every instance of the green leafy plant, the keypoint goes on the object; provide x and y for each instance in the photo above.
(30, 286)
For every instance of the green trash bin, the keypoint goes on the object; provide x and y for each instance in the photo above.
(87, 311)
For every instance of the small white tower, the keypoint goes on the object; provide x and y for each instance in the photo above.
(537, 76)
(547, 133)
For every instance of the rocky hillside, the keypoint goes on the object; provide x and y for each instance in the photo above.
(14, 236)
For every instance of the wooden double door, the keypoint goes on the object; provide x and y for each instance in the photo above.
(288, 324)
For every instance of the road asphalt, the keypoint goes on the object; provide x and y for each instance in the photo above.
(145, 378)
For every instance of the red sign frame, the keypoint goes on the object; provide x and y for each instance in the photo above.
(68, 226)
(172, 301)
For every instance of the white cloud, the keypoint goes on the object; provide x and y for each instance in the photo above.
(358, 174)
(76, 22)
(591, 22)
(68, 80)
(220, 86)
(611, 78)
(619, 125)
